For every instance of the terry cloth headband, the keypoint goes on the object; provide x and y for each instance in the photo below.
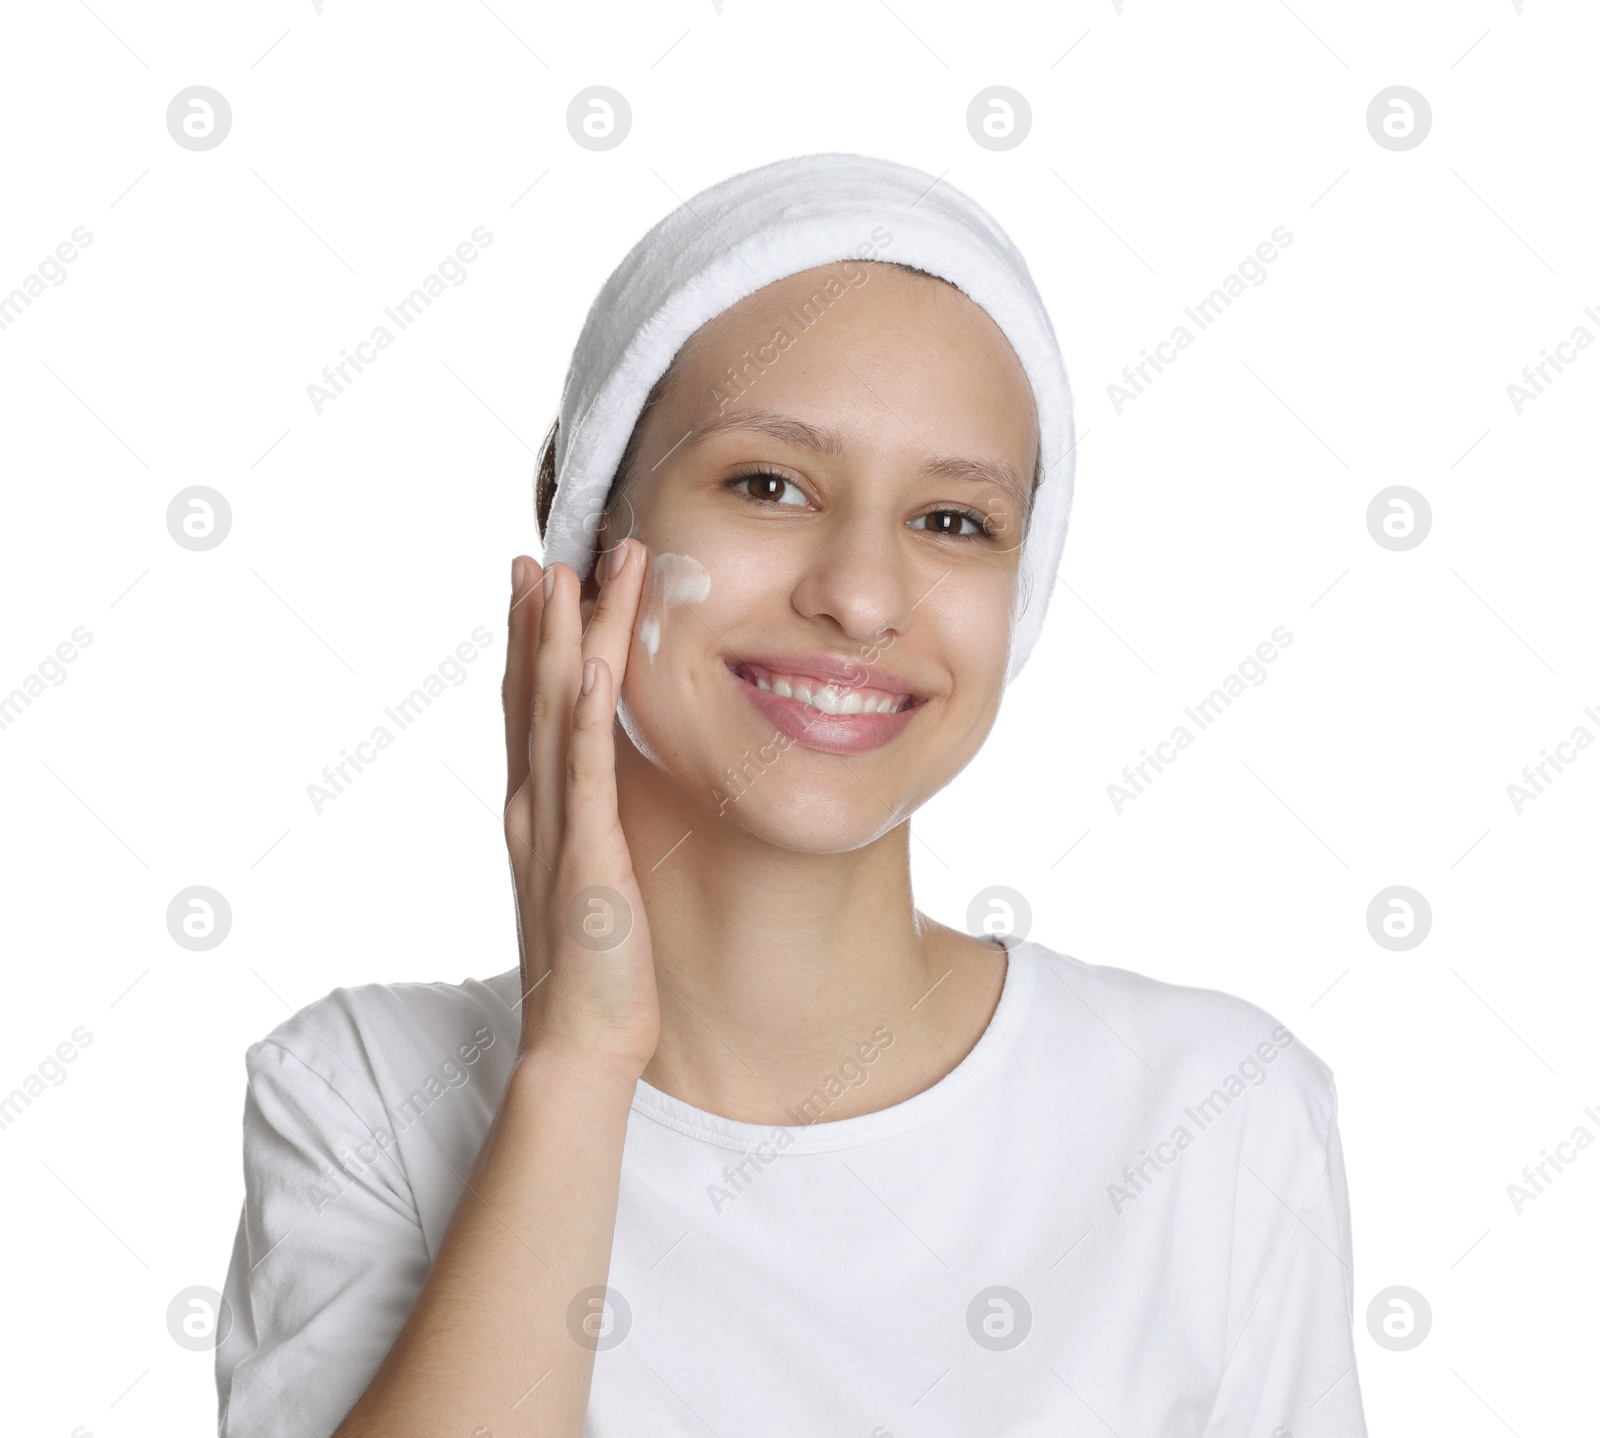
(761, 226)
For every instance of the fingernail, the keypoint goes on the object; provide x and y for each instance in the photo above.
(516, 574)
(549, 581)
(619, 560)
(588, 675)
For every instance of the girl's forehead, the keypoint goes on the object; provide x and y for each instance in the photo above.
(810, 296)
(797, 328)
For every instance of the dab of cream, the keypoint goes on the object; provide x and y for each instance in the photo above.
(673, 579)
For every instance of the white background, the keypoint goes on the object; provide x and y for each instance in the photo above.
(1167, 141)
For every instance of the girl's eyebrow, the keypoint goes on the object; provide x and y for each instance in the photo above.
(782, 427)
(802, 435)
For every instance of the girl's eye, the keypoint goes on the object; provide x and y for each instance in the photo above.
(770, 488)
(954, 523)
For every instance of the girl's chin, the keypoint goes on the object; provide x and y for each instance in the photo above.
(825, 829)
(775, 792)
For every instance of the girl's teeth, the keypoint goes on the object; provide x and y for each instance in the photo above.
(830, 700)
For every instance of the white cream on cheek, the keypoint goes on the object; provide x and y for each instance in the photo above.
(673, 579)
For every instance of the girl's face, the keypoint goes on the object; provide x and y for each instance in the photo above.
(833, 489)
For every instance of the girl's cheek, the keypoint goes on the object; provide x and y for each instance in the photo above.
(673, 581)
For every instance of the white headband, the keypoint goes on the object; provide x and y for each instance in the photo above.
(761, 226)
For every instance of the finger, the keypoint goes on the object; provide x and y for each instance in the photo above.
(592, 762)
(610, 632)
(516, 692)
(557, 672)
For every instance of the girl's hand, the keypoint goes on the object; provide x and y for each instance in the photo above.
(588, 980)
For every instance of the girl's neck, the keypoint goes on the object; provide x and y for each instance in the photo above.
(776, 967)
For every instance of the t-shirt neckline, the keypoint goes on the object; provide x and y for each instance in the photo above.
(826, 1135)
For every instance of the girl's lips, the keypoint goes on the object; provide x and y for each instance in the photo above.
(828, 733)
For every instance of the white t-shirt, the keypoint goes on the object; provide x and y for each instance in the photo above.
(1124, 1211)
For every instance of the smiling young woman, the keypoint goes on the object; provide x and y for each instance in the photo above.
(749, 1144)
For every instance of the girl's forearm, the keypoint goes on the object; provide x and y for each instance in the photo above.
(497, 1338)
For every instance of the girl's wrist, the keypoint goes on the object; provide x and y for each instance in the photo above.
(548, 1059)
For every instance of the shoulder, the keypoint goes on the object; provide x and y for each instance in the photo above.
(1182, 1044)
(376, 1038)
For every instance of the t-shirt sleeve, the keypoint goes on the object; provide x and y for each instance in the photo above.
(329, 1256)
(1292, 1370)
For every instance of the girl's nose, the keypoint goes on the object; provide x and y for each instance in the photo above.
(859, 575)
